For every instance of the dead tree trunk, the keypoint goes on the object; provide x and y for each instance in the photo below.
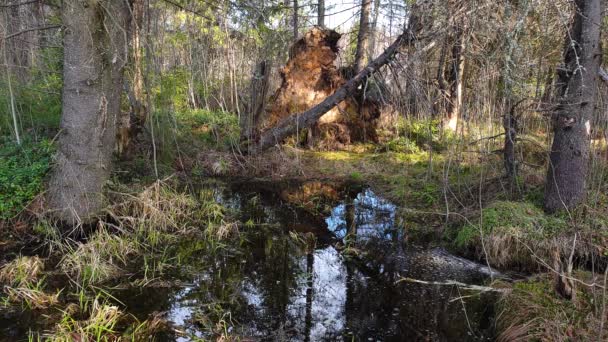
(94, 45)
(306, 119)
(577, 90)
(361, 53)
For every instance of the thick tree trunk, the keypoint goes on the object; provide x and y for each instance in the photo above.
(577, 90)
(361, 54)
(321, 13)
(95, 54)
(306, 119)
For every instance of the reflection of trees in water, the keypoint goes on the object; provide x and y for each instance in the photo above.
(278, 290)
(364, 214)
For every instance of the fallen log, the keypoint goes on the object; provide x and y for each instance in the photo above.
(291, 124)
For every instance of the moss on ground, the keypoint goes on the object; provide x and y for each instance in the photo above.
(512, 234)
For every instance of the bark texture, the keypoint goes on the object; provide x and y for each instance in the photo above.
(577, 90)
(363, 38)
(295, 19)
(95, 43)
(132, 122)
(250, 121)
(321, 13)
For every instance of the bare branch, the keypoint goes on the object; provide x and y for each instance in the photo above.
(50, 27)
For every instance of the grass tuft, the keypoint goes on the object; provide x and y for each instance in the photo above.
(100, 259)
(21, 271)
(532, 311)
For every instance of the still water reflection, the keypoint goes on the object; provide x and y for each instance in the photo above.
(278, 287)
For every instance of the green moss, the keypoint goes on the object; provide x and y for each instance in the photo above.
(401, 144)
(356, 176)
(512, 218)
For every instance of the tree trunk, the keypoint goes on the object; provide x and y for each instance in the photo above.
(510, 124)
(374, 28)
(131, 123)
(321, 13)
(577, 90)
(250, 121)
(295, 20)
(455, 92)
(361, 55)
(95, 54)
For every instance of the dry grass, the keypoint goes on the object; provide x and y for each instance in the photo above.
(23, 270)
(99, 259)
(157, 207)
(514, 248)
(534, 311)
(100, 326)
(33, 298)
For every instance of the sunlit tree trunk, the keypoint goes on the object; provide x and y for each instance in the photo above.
(95, 53)
(456, 78)
(577, 89)
(361, 54)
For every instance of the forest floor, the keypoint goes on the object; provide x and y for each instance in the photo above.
(458, 201)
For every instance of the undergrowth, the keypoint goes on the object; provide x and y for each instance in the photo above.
(22, 171)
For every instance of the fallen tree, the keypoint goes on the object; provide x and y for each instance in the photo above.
(295, 122)
(309, 77)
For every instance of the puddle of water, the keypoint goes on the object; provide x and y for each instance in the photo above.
(276, 291)
(271, 288)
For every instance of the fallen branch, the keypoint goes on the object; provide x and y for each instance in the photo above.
(295, 122)
(454, 283)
